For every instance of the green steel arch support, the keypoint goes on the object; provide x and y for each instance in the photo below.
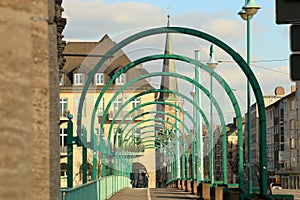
(223, 83)
(181, 95)
(162, 143)
(236, 57)
(184, 149)
(149, 103)
(161, 113)
(154, 103)
(152, 125)
(221, 116)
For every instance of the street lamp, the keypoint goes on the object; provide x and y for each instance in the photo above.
(248, 11)
(193, 93)
(212, 64)
(199, 138)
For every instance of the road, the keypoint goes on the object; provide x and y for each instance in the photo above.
(153, 194)
(296, 193)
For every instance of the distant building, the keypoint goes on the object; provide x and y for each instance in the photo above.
(73, 76)
(282, 148)
(254, 121)
(282, 139)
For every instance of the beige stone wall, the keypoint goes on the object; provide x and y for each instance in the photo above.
(15, 100)
(45, 92)
(29, 144)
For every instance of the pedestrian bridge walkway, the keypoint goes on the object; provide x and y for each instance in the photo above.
(153, 194)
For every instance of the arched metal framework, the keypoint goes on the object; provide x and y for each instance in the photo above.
(236, 57)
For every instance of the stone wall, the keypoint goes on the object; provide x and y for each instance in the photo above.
(15, 100)
(29, 99)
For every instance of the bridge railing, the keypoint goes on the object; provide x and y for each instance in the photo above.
(100, 189)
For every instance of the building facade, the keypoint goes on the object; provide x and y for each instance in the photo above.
(282, 144)
(76, 71)
(254, 123)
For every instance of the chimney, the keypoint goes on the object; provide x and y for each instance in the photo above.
(293, 88)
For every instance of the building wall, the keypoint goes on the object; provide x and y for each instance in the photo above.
(29, 85)
(73, 98)
(15, 102)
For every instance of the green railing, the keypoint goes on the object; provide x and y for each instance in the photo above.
(99, 189)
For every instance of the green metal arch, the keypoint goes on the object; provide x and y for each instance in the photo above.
(186, 78)
(237, 58)
(181, 95)
(150, 126)
(189, 60)
(151, 103)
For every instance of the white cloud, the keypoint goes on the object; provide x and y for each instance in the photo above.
(90, 20)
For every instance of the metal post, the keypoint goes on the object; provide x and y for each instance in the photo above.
(211, 137)
(84, 155)
(249, 112)
(177, 144)
(70, 152)
(103, 153)
(199, 139)
(187, 158)
(95, 155)
(193, 161)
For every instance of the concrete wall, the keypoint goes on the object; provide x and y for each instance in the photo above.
(29, 145)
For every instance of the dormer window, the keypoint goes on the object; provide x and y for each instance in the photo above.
(121, 79)
(78, 79)
(99, 79)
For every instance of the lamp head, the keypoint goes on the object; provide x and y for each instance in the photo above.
(251, 8)
(212, 63)
(243, 14)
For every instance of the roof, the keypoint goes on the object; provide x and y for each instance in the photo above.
(84, 64)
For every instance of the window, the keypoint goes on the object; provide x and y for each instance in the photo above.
(78, 79)
(117, 137)
(99, 79)
(63, 137)
(100, 109)
(137, 136)
(136, 102)
(63, 107)
(97, 132)
(117, 104)
(292, 124)
(292, 143)
(121, 79)
(63, 169)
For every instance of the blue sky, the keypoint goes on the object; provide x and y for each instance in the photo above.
(89, 20)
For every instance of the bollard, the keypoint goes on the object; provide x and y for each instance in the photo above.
(204, 191)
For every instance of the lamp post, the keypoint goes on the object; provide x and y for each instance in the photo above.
(248, 11)
(212, 64)
(199, 138)
(193, 93)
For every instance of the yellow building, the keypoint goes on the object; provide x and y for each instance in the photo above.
(81, 58)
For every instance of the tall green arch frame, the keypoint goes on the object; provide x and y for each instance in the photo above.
(236, 57)
(221, 81)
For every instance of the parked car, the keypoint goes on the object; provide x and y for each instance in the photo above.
(275, 186)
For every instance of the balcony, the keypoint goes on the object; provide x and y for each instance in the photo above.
(122, 114)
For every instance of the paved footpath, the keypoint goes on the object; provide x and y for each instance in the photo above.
(153, 194)
(296, 193)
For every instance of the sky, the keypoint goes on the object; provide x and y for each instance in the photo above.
(89, 20)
